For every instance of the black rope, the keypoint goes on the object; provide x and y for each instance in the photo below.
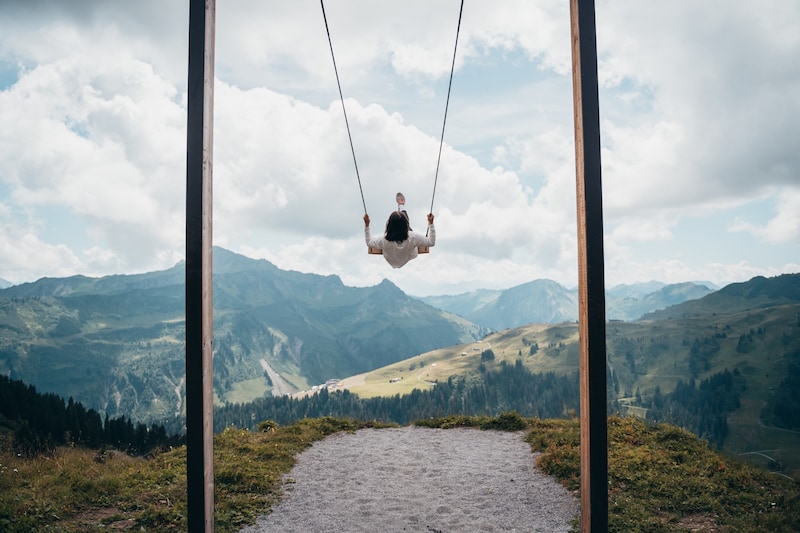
(341, 98)
(446, 105)
(344, 111)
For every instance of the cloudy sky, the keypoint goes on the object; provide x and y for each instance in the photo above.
(700, 118)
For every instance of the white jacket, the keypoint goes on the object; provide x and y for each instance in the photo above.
(398, 254)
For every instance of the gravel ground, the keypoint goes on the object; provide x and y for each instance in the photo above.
(420, 479)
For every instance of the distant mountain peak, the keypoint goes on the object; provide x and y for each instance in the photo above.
(305, 327)
(546, 301)
(757, 292)
(387, 288)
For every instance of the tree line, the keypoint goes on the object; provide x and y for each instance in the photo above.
(701, 408)
(41, 422)
(509, 388)
(783, 406)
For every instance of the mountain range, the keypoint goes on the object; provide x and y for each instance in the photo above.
(116, 343)
(547, 302)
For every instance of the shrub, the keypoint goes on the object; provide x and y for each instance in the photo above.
(507, 421)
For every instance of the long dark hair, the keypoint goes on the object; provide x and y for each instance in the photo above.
(397, 227)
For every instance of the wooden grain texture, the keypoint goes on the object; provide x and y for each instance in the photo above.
(591, 284)
(199, 201)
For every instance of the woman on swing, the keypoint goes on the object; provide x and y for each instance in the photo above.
(399, 243)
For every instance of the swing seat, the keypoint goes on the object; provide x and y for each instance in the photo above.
(377, 251)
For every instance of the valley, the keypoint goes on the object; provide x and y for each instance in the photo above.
(644, 358)
(116, 343)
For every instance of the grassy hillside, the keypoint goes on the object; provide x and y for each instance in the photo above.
(642, 356)
(757, 293)
(661, 479)
(557, 352)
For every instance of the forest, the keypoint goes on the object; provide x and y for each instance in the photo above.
(783, 407)
(510, 388)
(41, 422)
(700, 408)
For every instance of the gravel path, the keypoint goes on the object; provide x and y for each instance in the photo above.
(420, 479)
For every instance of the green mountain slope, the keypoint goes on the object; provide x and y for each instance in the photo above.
(117, 343)
(751, 327)
(759, 292)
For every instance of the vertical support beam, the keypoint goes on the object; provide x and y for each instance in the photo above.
(591, 283)
(199, 349)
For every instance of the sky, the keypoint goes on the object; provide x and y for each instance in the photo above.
(700, 138)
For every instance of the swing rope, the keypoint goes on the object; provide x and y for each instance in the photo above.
(446, 105)
(344, 111)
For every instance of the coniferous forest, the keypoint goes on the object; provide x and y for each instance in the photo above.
(510, 388)
(783, 408)
(700, 408)
(41, 422)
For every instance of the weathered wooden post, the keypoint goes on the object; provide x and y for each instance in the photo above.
(591, 283)
(199, 354)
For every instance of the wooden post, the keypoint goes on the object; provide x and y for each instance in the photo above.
(591, 283)
(199, 349)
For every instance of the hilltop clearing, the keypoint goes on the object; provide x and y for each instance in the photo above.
(419, 479)
(660, 479)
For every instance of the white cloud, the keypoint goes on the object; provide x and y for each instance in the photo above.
(25, 256)
(698, 107)
(784, 227)
(652, 228)
(720, 88)
(103, 140)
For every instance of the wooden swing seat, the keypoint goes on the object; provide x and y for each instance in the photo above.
(377, 251)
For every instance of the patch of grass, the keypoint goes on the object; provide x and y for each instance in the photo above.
(87, 491)
(507, 421)
(452, 421)
(246, 390)
(53, 492)
(662, 478)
